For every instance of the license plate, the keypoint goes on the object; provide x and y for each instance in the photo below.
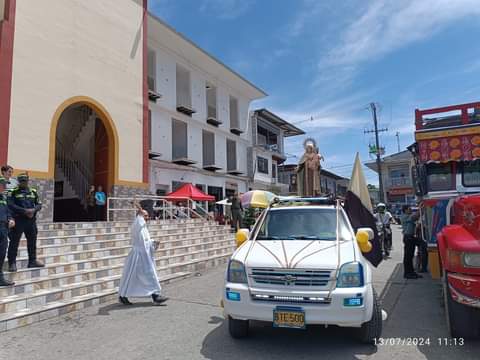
(286, 317)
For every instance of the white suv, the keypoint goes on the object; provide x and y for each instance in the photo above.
(294, 271)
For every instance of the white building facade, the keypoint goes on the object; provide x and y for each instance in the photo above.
(198, 112)
(268, 133)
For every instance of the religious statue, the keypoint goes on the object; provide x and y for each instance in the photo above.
(308, 170)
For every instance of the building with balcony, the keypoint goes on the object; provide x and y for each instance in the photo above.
(330, 183)
(266, 153)
(103, 93)
(397, 178)
(198, 117)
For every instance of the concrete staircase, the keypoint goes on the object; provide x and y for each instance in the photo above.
(84, 262)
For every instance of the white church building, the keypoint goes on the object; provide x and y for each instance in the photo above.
(104, 93)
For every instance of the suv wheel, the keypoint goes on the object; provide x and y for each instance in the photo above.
(372, 329)
(238, 328)
(462, 321)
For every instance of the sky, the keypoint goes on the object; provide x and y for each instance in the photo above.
(322, 62)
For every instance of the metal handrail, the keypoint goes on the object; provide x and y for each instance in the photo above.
(74, 173)
(162, 204)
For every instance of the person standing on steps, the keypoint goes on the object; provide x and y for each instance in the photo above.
(91, 203)
(6, 223)
(24, 204)
(139, 278)
(100, 202)
(7, 173)
(236, 212)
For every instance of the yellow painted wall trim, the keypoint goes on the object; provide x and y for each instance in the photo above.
(44, 175)
(447, 133)
(107, 122)
(136, 184)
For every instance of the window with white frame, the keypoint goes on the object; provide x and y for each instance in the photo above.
(234, 123)
(152, 70)
(211, 101)
(179, 140)
(208, 148)
(150, 129)
(184, 91)
(262, 165)
(231, 155)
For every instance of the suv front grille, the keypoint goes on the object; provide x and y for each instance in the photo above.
(291, 277)
(291, 299)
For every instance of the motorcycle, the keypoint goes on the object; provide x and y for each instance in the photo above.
(385, 235)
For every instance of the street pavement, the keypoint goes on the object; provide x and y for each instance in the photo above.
(191, 326)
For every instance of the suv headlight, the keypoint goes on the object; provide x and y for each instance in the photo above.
(471, 259)
(236, 272)
(350, 275)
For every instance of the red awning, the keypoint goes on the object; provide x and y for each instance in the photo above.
(191, 192)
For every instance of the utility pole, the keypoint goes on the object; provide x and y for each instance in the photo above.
(377, 144)
(398, 140)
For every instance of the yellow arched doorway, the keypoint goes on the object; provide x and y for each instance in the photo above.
(83, 153)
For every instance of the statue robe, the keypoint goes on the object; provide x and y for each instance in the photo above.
(139, 272)
(308, 180)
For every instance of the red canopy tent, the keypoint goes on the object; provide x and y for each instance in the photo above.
(191, 192)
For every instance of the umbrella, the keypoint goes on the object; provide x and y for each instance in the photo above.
(256, 199)
(224, 202)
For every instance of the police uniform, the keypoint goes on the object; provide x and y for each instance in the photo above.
(5, 217)
(20, 199)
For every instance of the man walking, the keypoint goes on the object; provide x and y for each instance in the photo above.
(6, 222)
(139, 278)
(24, 204)
(236, 212)
(409, 221)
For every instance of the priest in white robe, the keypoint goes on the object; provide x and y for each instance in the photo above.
(139, 277)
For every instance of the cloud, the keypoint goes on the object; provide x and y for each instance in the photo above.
(226, 9)
(389, 25)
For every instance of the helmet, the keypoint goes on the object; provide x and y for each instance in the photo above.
(381, 205)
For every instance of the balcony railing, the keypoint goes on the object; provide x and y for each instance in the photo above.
(397, 182)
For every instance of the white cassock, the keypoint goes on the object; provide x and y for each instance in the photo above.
(139, 272)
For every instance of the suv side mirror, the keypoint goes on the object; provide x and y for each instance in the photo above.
(363, 236)
(241, 236)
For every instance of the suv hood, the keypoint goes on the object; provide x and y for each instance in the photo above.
(302, 254)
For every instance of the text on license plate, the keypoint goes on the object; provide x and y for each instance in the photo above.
(289, 318)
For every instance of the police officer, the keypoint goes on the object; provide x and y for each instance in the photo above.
(24, 204)
(6, 222)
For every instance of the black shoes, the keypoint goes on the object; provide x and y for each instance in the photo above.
(5, 282)
(35, 264)
(412, 276)
(158, 299)
(124, 300)
(12, 267)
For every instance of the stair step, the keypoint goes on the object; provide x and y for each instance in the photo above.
(55, 246)
(59, 249)
(57, 268)
(37, 313)
(29, 286)
(13, 303)
(75, 239)
(96, 224)
(101, 253)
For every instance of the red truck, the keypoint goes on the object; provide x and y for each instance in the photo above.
(459, 248)
(447, 182)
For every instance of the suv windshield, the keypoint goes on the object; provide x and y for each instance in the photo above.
(303, 224)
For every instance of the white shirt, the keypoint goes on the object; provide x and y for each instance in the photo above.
(12, 184)
(385, 218)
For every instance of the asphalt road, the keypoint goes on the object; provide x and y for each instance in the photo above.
(191, 326)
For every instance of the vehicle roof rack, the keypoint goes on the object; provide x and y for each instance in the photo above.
(295, 200)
